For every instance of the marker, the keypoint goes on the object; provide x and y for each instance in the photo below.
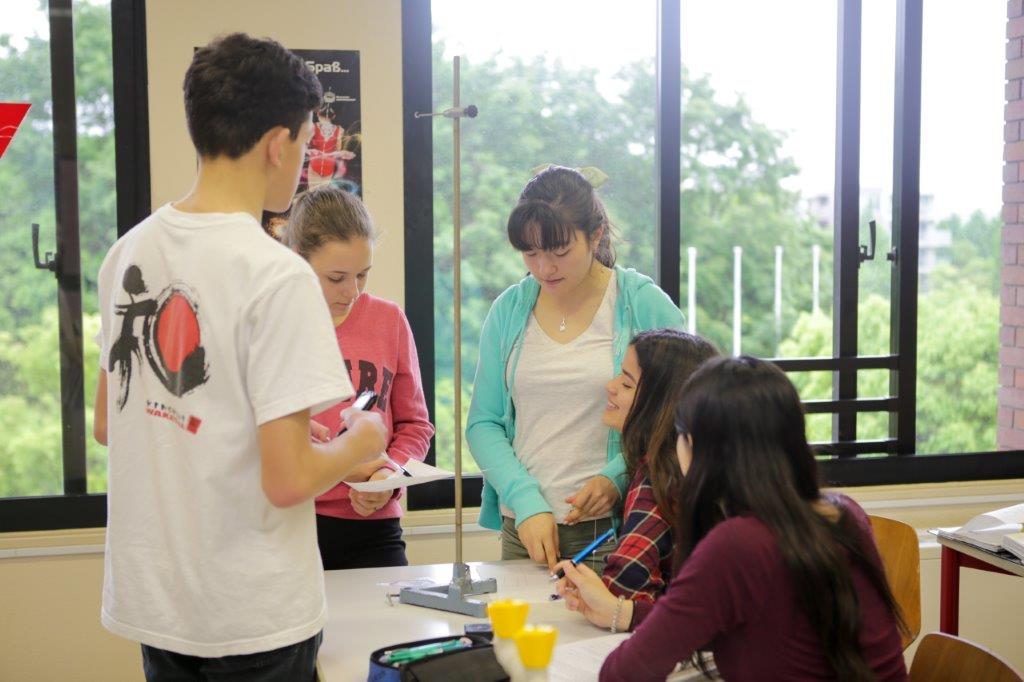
(585, 552)
(364, 402)
(417, 652)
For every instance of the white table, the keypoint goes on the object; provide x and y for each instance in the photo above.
(360, 619)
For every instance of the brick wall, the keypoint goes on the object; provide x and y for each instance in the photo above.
(1011, 333)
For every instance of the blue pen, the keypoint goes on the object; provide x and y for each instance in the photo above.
(585, 552)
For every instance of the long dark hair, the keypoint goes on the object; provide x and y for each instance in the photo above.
(750, 456)
(667, 358)
(559, 201)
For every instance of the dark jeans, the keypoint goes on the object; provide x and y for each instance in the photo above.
(292, 662)
(347, 543)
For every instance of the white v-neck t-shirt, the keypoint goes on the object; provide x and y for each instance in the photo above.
(559, 395)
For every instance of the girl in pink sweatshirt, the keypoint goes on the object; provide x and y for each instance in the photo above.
(332, 230)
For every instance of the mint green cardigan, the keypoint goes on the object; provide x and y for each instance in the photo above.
(491, 425)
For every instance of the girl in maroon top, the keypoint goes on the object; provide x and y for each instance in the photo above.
(331, 229)
(641, 405)
(778, 579)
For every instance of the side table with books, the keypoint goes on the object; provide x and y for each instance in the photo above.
(991, 542)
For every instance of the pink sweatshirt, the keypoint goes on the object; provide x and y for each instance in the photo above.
(380, 354)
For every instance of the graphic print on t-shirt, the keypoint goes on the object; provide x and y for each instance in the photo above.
(366, 380)
(171, 337)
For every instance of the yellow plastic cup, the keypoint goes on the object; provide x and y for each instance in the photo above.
(536, 644)
(507, 616)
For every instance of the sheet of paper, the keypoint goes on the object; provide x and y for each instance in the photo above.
(421, 473)
(581, 661)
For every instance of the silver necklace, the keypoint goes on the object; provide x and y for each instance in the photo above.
(561, 327)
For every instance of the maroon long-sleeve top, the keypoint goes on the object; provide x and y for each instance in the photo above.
(736, 596)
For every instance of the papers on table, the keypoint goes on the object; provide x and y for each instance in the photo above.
(987, 530)
(581, 661)
(421, 473)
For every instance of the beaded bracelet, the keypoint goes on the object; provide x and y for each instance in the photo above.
(614, 627)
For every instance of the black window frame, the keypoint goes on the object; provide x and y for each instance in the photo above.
(900, 463)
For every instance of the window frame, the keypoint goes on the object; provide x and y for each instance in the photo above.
(77, 508)
(900, 463)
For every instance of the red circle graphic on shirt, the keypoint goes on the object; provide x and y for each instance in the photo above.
(177, 332)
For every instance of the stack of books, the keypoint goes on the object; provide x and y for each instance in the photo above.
(1014, 544)
(988, 531)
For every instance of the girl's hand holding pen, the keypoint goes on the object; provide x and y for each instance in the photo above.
(584, 591)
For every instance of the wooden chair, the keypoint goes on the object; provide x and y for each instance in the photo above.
(901, 556)
(947, 658)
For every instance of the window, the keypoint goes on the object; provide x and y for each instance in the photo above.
(575, 98)
(30, 454)
(63, 172)
(959, 244)
(799, 137)
(899, 360)
(758, 176)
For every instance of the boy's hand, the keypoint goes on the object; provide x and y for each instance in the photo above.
(366, 429)
(364, 471)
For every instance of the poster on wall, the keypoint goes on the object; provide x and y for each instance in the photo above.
(335, 154)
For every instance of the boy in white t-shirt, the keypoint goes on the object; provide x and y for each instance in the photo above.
(216, 347)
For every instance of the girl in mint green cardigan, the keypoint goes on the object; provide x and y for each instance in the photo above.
(561, 228)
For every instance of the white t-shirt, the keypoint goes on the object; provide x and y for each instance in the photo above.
(209, 329)
(559, 396)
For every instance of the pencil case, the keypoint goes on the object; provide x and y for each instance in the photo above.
(475, 663)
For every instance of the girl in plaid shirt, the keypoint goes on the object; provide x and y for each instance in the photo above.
(641, 404)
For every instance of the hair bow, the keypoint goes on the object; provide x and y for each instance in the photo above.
(592, 174)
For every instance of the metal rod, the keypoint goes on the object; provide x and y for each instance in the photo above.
(457, 303)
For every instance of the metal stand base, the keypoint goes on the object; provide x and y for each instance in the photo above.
(452, 597)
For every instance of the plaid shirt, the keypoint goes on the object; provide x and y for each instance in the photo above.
(641, 564)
